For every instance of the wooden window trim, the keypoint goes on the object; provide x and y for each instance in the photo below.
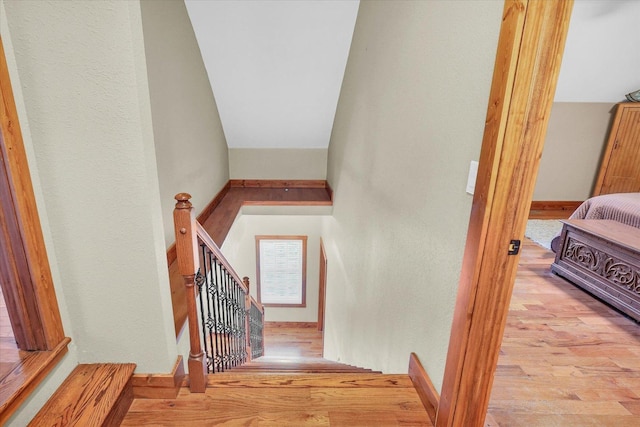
(27, 283)
(304, 269)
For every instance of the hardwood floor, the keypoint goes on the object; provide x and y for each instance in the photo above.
(294, 386)
(566, 359)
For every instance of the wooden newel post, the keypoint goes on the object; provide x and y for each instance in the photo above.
(187, 251)
(247, 305)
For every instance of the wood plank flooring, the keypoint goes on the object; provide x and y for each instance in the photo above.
(566, 359)
(290, 397)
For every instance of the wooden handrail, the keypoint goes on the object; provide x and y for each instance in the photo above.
(186, 248)
(190, 238)
(208, 241)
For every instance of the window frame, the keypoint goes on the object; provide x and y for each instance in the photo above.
(303, 283)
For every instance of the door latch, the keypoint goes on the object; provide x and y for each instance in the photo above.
(514, 247)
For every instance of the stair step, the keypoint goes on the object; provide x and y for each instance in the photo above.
(302, 365)
(366, 399)
(92, 395)
(303, 380)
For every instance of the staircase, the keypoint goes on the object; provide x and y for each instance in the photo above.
(273, 391)
(298, 365)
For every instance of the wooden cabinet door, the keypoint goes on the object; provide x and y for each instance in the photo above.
(620, 169)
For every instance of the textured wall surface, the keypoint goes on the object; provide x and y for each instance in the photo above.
(410, 119)
(240, 249)
(83, 79)
(190, 144)
(278, 163)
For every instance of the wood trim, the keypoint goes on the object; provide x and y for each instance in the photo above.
(322, 285)
(93, 394)
(424, 387)
(26, 375)
(44, 330)
(303, 239)
(527, 64)
(159, 386)
(278, 324)
(185, 227)
(553, 209)
(330, 191)
(206, 212)
(278, 183)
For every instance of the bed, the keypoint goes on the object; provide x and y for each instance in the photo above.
(598, 250)
(620, 207)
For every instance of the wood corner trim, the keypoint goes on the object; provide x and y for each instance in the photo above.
(159, 386)
(26, 376)
(423, 385)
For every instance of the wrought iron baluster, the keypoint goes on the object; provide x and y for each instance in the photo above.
(208, 338)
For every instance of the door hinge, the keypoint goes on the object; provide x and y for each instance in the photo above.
(514, 247)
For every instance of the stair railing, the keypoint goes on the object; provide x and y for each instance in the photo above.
(225, 322)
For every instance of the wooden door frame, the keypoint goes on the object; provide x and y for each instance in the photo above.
(530, 49)
(322, 285)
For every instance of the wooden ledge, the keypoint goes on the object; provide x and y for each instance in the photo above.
(94, 394)
(423, 385)
(18, 384)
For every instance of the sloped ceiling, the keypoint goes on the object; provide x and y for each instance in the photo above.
(601, 60)
(275, 67)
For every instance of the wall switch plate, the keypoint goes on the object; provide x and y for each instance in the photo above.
(471, 180)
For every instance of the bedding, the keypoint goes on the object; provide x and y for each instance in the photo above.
(620, 207)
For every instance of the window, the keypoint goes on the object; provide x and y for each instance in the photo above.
(281, 270)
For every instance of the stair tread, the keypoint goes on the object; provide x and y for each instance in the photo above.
(298, 364)
(88, 396)
(291, 400)
(309, 380)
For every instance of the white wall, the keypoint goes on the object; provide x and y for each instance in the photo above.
(277, 74)
(68, 362)
(600, 65)
(190, 145)
(83, 79)
(278, 163)
(410, 119)
(601, 58)
(240, 249)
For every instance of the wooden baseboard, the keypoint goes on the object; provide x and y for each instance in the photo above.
(291, 324)
(159, 386)
(553, 209)
(206, 212)
(423, 385)
(278, 183)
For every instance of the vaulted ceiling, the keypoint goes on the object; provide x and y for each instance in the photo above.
(276, 66)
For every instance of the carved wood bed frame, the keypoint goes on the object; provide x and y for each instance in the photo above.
(603, 258)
